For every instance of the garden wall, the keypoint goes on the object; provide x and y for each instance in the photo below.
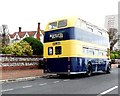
(11, 62)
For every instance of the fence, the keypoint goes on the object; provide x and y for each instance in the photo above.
(11, 62)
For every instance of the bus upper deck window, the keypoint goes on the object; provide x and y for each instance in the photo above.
(58, 50)
(62, 23)
(53, 25)
(50, 50)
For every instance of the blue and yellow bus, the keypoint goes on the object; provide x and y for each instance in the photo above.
(72, 46)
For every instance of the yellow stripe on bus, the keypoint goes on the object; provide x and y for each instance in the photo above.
(72, 48)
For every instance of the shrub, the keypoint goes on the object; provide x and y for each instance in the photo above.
(36, 45)
(19, 49)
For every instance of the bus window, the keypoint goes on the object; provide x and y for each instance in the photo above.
(100, 53)
(90, 51)
(53, 25)
(85, 50)
(58, 50)
(90, 29)
(96, 51)
(50, 50)
(62, 23)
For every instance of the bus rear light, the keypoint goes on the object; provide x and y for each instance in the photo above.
(68, 58)
(45, 60)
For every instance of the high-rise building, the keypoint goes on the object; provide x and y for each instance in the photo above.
(111, 21)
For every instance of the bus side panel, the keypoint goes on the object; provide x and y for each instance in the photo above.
(102, 64)
(78, 64)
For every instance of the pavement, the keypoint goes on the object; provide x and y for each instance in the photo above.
(28, 74)
(21, 75)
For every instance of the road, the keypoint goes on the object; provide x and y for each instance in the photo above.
(99, 83)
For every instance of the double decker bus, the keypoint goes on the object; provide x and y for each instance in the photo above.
(72, 46)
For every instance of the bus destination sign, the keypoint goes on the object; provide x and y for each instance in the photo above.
(56, 36)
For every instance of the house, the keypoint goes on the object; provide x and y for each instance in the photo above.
(17, 36)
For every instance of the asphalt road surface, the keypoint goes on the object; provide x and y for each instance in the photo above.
(99, 83)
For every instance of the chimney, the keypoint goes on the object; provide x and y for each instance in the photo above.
(19, 29)
(38, 32)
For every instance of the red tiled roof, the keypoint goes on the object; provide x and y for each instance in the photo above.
(12, 35)
(32, 33)
(22, 34)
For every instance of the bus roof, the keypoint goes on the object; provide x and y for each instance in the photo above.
(71, 21)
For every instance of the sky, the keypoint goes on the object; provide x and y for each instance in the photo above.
(27, 13)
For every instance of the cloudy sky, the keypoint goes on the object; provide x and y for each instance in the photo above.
(27, 13)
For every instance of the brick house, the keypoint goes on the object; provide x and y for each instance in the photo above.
(17, 36)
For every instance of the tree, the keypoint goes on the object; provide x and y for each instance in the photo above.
(19, 49)
(115, 54)
(36, 45)
(113, 37)
(4, 33)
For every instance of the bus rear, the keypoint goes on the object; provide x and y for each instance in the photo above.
(57, 48)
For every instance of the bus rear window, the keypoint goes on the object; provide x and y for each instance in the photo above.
(50, 50)
(58, 50)
(53, 25)
(62, 23)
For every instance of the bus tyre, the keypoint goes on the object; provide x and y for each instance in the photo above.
(108, 69)
(89, 71)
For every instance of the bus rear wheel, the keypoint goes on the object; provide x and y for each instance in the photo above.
(89, 71)
(108, 69)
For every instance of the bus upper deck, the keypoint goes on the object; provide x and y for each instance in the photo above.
(75, 22)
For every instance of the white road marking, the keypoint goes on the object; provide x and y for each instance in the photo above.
(66, 80)
(56, 81)
(27, 86)
(43, 84)
(7, 90)
(109, 90)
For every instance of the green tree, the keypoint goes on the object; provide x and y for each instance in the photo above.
(36, 45)
(115, 54)
(19, 49)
